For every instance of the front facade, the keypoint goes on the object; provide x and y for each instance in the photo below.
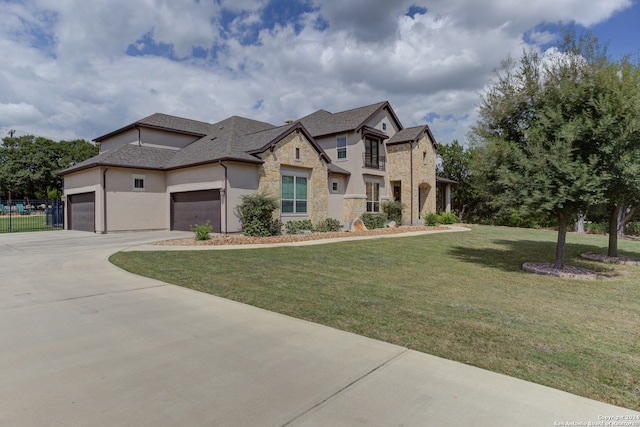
(166, 172)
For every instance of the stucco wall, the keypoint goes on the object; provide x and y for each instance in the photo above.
(135, 209)
(283, 158)
(86, 181)
(149, 137)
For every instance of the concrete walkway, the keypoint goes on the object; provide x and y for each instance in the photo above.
(84, 343)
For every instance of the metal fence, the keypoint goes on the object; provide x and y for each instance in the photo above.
(31, 215)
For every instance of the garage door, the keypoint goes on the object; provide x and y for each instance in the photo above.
(81, 215)
(195, 207)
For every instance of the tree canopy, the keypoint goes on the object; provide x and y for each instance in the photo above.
(556, 133)
(29, 164)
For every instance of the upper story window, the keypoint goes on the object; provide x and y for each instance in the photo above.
(384, 126)
(138, 182)
(372, 157)
(341, 145)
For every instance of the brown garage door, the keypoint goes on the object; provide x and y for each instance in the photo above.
(81, 212)
(195, 207)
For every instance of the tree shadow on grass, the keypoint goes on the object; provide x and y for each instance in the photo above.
(511, 254)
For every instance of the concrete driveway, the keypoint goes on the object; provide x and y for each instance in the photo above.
(84, 343)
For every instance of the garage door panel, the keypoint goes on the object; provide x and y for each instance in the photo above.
(82, 212)
(195, 207)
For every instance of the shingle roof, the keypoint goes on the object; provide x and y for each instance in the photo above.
(325, 123)
(411, 134)
(130, 156)
(336, 169)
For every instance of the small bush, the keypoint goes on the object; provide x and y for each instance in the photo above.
(276, 227)
(256, 211)
(596, 228)
(373, 220)
(632, 229)
(393, 210)
(431, 219)
(448, 218)
(294, 227)
(203, 231)
(328, 225)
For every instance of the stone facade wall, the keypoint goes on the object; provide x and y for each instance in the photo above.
(353, 208)
(424, 176)
(284, 157)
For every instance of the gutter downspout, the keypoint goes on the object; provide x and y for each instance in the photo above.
(226, 207)
(411, 179)
(104, 200)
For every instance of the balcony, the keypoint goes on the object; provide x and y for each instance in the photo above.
(373, 162)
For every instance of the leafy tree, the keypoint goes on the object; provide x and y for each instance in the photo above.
(457, 164)
(29, 164)
(534, 136)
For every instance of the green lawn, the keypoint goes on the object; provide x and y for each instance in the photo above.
(20, 223)
(460, 296)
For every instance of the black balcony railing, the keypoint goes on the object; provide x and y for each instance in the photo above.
(374, 162)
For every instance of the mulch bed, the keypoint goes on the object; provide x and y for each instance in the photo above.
(568, 272)
(239, 239)
(625, 260)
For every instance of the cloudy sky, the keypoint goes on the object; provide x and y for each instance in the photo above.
(79, 69)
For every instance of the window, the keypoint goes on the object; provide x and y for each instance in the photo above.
(334, 186)
(371, 158)
(138, 182)
(373, 197)
(294, 194)
(297, 154)
(384, 126)
(341, 145)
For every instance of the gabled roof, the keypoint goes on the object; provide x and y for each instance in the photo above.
(412, 134)
(164, 122)
(323, 122)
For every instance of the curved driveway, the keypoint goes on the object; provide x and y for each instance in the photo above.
(84, 343)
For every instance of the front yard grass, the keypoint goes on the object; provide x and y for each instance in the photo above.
(460, 296)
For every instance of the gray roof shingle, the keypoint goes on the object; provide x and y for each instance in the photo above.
(128, 156)
(325, 123)
(411, 134)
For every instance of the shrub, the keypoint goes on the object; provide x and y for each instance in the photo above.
(373, 220)
(276, 227)
(393, 210)
(328, 225)
(448, 218)
(294, 227)
(203, 231)
(597, 228)
(256, 211)
(632, 229)
(431, 219)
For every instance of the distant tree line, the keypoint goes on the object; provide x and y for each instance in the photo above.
(558, 139)
(29, 164)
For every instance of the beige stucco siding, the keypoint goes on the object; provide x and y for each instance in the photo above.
(282, 160)
(242, 180)
(148, 137)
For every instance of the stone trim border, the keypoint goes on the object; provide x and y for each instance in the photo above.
(568, 272)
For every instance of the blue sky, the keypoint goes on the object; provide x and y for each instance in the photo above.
(79, 69)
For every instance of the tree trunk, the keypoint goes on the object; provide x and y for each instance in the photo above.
(562, 238)
(580, 223)
(624, 216)
(613, 232)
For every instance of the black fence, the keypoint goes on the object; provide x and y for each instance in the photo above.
(31, 215)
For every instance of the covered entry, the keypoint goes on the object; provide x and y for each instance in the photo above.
(81, 212)
(195, 207)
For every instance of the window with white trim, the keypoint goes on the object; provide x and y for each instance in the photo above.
(293, 194)
(373, 196)
(138, 182)
(341, 146)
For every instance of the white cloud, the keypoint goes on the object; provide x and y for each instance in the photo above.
(66, 72)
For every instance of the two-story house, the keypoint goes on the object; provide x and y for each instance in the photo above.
(167, 172)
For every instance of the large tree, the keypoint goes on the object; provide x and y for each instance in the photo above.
(456, 164)
(534, 135)
(29, 164)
